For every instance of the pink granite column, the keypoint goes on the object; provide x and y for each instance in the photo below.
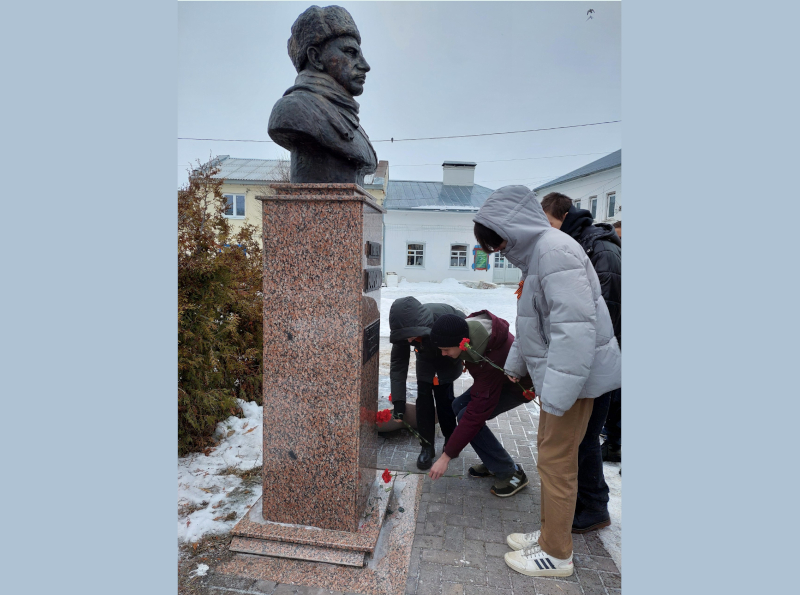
(321, 318)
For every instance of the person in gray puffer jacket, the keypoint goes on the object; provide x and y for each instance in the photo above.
(410, 324)
(565, 340)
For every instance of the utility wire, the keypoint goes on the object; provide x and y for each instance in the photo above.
(497, 160)
(504, 160)
(397, 140)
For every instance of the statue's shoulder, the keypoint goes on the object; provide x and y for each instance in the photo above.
(296, 110)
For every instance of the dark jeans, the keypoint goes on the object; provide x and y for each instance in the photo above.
(443, 395)
(592, 487)
(614, 419)
(488, 448)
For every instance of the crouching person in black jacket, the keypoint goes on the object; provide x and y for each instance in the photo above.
(603, 247)
(410, 324)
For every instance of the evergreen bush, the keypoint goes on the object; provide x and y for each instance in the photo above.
(219, 312)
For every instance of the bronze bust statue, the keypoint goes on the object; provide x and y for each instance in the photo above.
(317, 118)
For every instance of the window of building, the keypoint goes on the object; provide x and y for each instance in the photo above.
(416, 255)
(235, 205)
(458, 255)
(611, 202)
(593, 206)
(500, 262)
(577, 203)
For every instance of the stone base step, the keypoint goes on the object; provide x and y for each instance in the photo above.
(278, 549)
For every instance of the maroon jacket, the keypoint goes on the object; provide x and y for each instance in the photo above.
(488, 382)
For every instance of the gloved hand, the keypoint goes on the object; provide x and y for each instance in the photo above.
(399, 409)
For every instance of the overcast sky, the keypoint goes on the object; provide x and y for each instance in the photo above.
(438, 69)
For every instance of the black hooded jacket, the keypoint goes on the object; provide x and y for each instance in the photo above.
(409, 318)
(604, 249)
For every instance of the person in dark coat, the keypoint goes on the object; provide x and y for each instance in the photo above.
(490, 395)
(410, 325)
(604, 248)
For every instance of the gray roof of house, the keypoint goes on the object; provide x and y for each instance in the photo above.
(609, 161)
(406, 195)
(247, 170)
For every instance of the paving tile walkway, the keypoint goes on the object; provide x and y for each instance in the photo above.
(461, 528)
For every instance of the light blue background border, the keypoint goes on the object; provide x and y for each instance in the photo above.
(710, 286)
(89, 284)
(89, 354)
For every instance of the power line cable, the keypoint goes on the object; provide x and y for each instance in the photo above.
(505, 160)
(398, 140)
(498, 160)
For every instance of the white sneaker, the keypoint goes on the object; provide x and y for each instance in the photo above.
(517, 541)
(534, 561)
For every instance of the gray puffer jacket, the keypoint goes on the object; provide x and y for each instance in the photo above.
(565, 338)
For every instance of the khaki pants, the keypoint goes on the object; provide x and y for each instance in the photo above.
(558, 441)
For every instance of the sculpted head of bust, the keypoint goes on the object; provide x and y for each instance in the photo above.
(327, 40)
(317, 117)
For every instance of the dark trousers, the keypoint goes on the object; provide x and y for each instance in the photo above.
(486, 445)
(614, 419)
(592, 487)
(443, 396)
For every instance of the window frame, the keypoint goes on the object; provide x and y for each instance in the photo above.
(466, 251)
(576, 203)
(424, 247)
(611, 210)
(235, 195)
(593, 207)
(505, 263)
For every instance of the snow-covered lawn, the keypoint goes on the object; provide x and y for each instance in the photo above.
(612, 536)
(212, 498)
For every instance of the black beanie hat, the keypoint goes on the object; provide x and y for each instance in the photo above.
(448, 331)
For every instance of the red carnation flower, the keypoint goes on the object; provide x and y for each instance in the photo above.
(529, 394)
(464, 345)
(386, 477)
(390, 397)
(383, 416)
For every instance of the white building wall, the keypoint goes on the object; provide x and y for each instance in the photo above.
(437, 230)
(600, 185)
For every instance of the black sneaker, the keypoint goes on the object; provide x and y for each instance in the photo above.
(512, 485)
(590, 520)
(425, 459)
(610, 453)
(479, 471)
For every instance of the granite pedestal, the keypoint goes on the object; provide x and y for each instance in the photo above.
(322, 498)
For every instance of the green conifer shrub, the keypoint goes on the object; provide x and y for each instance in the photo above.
(219, 312)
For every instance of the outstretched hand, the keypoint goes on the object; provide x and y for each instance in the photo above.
(439, 467)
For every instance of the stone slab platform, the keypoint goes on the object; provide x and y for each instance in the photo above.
(385, 572)
(254, 526)
(279, 549)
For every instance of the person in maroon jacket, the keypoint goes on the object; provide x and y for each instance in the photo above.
(491, 394)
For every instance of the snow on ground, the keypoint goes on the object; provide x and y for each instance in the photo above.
(214, 498)
(612, 536)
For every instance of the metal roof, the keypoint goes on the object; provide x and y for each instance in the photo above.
(609, 161)
(247, 170)
(404, 195)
